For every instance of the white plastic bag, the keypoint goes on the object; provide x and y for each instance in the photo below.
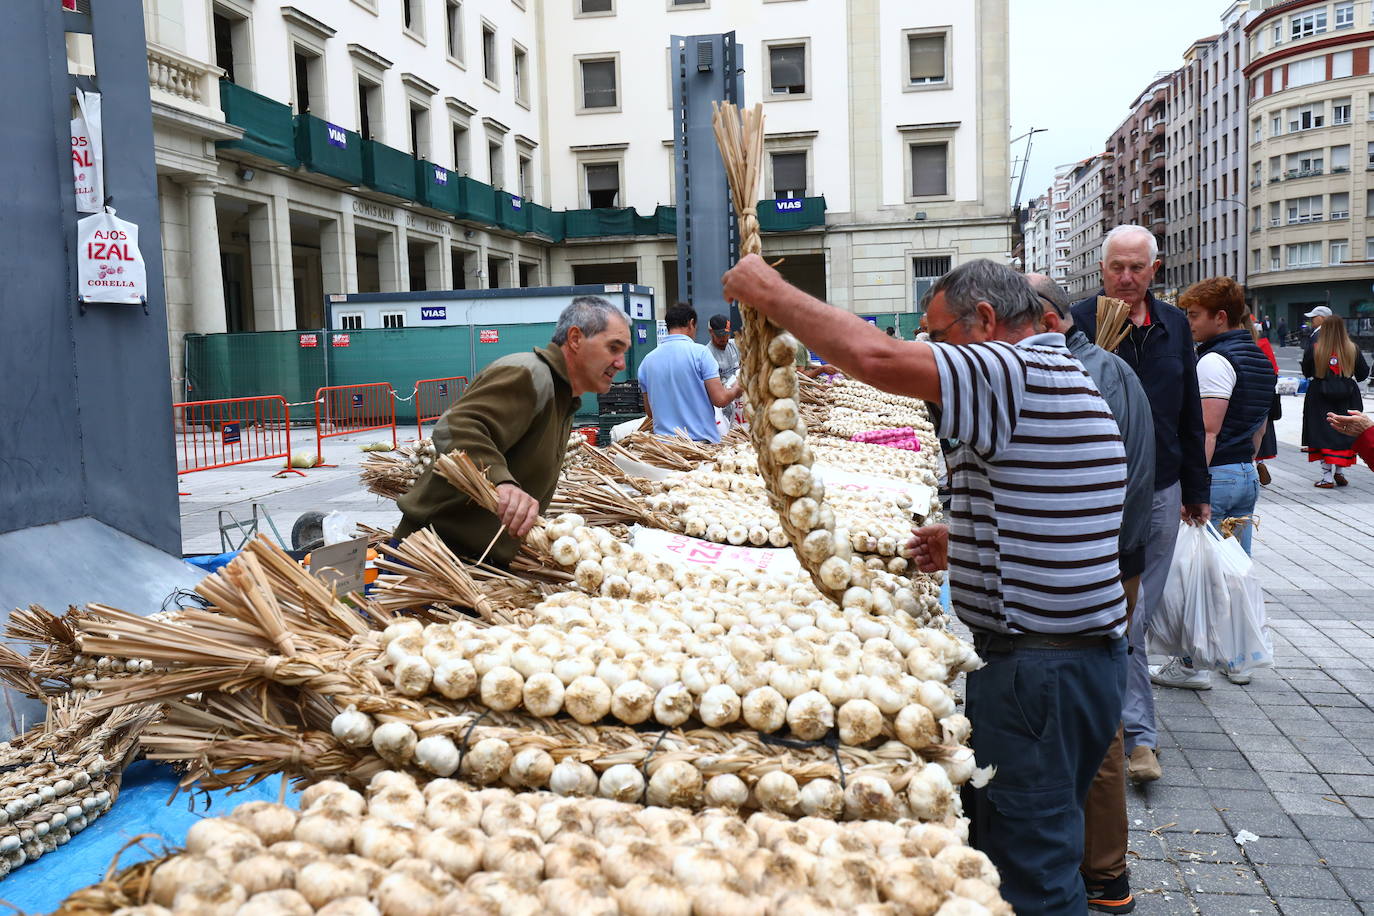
(1196, 585)
(1242, 633)
(1213, 609)
(337, 528)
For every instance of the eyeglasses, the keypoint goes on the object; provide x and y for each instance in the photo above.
(941, 335)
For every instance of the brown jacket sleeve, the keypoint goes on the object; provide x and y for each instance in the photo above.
(488, 419)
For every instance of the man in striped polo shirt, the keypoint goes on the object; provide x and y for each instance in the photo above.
(1037, 476)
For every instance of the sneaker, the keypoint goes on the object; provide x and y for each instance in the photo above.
(1143, 765)
(1177, 674)
(1263, 471)
(1113, 897)
(1238, 677)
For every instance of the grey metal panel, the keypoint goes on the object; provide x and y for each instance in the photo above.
(707, 69)
(40, 456)
(121, 353)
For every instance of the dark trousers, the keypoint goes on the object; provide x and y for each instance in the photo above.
(1044, 717)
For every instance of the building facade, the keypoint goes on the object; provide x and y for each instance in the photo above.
(1310, 135)
(1038, 235)
(1181, 184)
(1222, 150)
(1136, 192)
(340, 146)
(1089, 190)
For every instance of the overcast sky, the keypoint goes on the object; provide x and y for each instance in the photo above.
(1075, 69)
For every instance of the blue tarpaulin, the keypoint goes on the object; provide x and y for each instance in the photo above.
(145, 805)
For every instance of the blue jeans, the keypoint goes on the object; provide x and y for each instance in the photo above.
(1235, 488)
(1044, 718)
(1138, 713)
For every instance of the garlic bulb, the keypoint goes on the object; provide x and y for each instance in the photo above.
(673, 705)
(675, 783)
(352, 728)
(394, 742)
(786, 447)
(916, 727)
(860, 722)
(822, 798)
(437, 754)
(573, 778)
(810, 715)
(587, 699)
(764, 710)
(486, 761)
(543, 695)
(532, 767)
(726, 790)
(623, 782)
(502, 688)
(930, 793)
(778, 791)
(720, 706)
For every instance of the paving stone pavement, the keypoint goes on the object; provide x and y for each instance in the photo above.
(1288, 758)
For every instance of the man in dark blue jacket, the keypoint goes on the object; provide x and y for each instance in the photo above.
(1159, 348)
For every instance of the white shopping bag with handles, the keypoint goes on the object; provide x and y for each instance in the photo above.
(1196, 586)
(1243, 632)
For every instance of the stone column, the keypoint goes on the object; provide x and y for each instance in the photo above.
(207, 281)
(339, 254)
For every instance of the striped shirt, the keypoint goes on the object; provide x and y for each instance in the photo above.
(1037, 477)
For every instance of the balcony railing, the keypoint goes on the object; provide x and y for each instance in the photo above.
(182, 80)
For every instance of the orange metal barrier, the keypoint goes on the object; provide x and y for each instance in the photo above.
(217, 434)
(344, 409)
(433, 396)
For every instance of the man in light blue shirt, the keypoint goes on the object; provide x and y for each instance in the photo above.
(681, 381)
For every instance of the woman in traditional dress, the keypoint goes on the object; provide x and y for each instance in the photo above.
(1333, 364)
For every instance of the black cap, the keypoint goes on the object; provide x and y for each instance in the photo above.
(719, 323)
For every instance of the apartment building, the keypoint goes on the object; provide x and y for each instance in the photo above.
(1222, 151)
(1181, 177)
(1311, 157)
(1136, 190)
(1036, 232)
(1046, 229)
(338, 146)
(1090, 187)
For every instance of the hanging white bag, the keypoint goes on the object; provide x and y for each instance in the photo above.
(109, 266)
(1196, 586)
(88, 154)
(1243, 632)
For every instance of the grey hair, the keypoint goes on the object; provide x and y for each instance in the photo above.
(1052, 293)
(590, 313)
(996, 284)
(1130, 229)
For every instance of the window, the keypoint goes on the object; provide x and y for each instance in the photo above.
(453, 30)
(231, 45)
(1255, 178)
(925, 271)
(1304, 254)
(789, 175)
(1301, 165)
(595, 7)
(1340, 205)
(1371, 159)
(675, 4)
(308, 81)
(603, 184)
(1305, 210)
(1369, 249)
(1306, 72)
(419, 131)
(1340, 111)
(1255, 259)
(1369, 107)
(598, 78)
(1308, 24)
(525, 167)
(1257, 133)
(929, 169)
(1345, 14)
(413, 17)
(926, 64)
(462, 151)
(495, 163)
(1307, 117)
(352, 322)
(393, 319)
(489, 53)
(369, 108)
(1340, 158)
(1342, 63)
(1275, 217)
(1276, 126)
(1340, 253)
(519, 66)
(1274, 263)
(787, 69)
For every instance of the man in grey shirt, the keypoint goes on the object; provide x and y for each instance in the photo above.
(723, 348)
(1104, 813)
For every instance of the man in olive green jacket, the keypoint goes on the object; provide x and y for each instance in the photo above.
(514, 420)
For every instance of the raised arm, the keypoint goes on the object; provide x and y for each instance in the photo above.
(858, 348)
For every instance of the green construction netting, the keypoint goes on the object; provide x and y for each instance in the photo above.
(511, 213)
(402, 356)
(546, 222)
(329, 149)
(906, 323)
(580, 224)
(436, 186)
(388, 170)
(476, 201)
(255, 364)
(791, 215)
(267, 125)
